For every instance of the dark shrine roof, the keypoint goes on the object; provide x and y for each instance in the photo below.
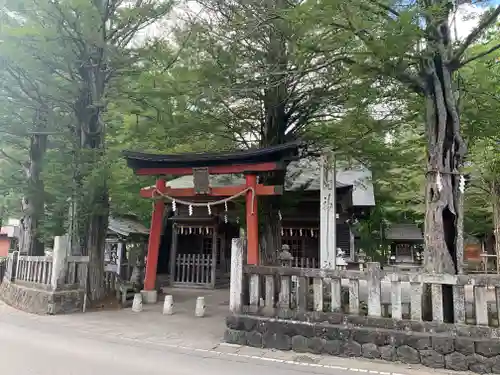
(139, 160)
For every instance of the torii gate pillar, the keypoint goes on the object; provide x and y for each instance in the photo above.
(149, 294)
(252, 221)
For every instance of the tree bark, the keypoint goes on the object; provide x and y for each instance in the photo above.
(33, 203)
(270, 238)
(273, 133)
(93, 209)
(446, 151)
(96, 239)
(495, 199)
(38, 147)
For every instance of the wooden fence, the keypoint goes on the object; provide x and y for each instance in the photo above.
(46, 272)
(34, 269)
(271, 289)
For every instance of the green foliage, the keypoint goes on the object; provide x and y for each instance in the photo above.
(212, 84)
(370, 232)
(45, 50)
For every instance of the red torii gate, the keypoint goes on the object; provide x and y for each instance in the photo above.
(201, 165)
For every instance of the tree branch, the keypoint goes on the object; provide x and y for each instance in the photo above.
(473, 36)
(12, 159)
(479, 55)
(386, 7)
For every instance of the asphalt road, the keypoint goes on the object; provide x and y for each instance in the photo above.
(28, 349)
(123, 343)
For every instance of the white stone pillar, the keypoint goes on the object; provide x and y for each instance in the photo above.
(137, 303)
(168, 305)
(199, 310)
(236, 280)
(328, 214)
(59, 255)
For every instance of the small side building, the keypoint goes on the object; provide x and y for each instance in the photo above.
(126, 243)
(406, 244)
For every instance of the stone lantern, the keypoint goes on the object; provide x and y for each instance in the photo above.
(392, 259)
(341, 263)
(419, 256)
(285, 257)
(361, 259)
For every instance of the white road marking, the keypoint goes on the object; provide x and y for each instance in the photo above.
(270, 359)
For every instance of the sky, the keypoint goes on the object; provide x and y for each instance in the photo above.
(466, 19)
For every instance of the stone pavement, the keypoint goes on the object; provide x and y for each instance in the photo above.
(183, 332)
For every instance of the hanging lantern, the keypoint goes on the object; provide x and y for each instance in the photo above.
(190, 210)
(209, 210)
(174, 205)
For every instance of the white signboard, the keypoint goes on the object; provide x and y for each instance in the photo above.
(113, 256)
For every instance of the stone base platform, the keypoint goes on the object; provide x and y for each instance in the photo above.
(436, 350)
(34, 300)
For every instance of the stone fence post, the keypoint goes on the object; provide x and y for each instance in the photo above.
(10, 272)
(236, 285)
(59, 263)
(373, 281)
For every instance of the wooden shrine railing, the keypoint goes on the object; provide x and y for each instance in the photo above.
(194, 269)
(270, 290)
(301, 262)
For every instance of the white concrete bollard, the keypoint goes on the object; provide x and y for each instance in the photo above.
(200, 307)
(137, 304)
(168, 305)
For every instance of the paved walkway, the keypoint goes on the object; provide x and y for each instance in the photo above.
(150, 332)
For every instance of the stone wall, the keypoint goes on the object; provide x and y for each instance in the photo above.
(39, 301)
(437, 350)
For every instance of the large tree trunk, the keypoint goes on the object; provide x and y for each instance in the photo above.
(33, 203)
(446, 151)
(275, 125)
(92, 172)
(495, 199)
(270, 238)
(96, 239)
